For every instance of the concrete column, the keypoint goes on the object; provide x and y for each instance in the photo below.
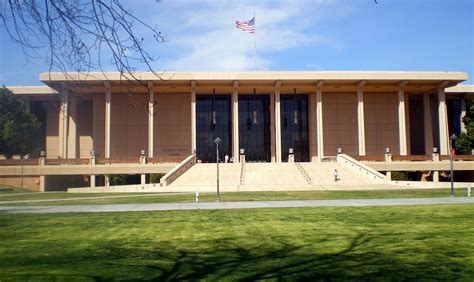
(388, 158)
(360, 117)
(193, 116)
(312, 134)
(443, 121)
(92, 176)
(402, 129)
(63, 123)
(272, 128)
(463, 114)
(407, 122)
(277, 122)
(235, 122)
(92, 181)
(72, 128)
(428, 124)
(151, 117)
(435, 173)
(319, 119)
(143, 175)
(108, 100)
(42, 178)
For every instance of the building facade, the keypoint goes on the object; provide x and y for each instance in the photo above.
(262, 115)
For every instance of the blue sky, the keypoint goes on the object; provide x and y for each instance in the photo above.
(320, 35)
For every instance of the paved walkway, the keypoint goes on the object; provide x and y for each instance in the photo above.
(86, 198)
(236, 205)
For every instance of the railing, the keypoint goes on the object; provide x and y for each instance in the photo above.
(117, 160)
(19, 162)
(66, 161)
(157, 160)
(98, 161)
(303, 172)
(353, 163)
(242, 172)
(373, 158)
(457, 158)
(178, 170)
(415, 158)
(412, 158)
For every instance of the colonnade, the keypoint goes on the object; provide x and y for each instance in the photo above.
(67, 133)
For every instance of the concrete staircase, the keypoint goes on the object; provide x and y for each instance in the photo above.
(273, 177)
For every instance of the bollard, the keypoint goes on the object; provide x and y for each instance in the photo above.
(197, 196)
(469, 191)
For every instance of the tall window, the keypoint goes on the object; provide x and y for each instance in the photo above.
(454, 116)
(294, 126)
(213, 119)
(254, 127)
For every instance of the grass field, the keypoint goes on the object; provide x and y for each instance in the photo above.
(370, 243)
(129, 198)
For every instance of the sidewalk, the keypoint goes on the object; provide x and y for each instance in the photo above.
(236, 205)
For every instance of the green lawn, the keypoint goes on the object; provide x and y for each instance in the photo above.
(370, 243)
(209, 197)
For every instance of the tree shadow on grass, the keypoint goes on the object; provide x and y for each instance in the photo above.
(274, 258)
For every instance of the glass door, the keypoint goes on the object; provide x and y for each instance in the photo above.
(294, 126)
(254, 127)
(213, 119)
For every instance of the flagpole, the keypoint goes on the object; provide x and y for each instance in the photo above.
(255, 44)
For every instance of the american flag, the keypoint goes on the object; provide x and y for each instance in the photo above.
(248, 26)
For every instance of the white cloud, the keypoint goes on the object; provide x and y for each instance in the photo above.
(207, 39)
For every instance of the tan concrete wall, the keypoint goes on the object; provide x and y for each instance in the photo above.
(98, 124)
(172, 125)
(84, 128)
(129, 125)
(312, 127)
(52, 130)
(381, 123)
(340, 123)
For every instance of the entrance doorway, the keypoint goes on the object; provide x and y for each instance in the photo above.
(294, 126)
(213, 119)
(254, 127)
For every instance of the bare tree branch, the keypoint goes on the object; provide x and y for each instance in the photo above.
(81, 35)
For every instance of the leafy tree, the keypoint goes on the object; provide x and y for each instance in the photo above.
(465, 142)
(18, 127)
(118, 179)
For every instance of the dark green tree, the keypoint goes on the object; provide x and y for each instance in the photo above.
(465, 142)
(18, 127)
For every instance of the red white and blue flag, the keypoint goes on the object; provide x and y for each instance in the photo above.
(248, 26)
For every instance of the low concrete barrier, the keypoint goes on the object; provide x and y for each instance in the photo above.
(358, 166)
(178, 170)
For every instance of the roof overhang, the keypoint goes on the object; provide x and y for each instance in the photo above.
(32, 90)
(464, 89)
(94, 82)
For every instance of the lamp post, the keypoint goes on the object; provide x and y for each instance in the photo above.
(452, 138)
(217, 141)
